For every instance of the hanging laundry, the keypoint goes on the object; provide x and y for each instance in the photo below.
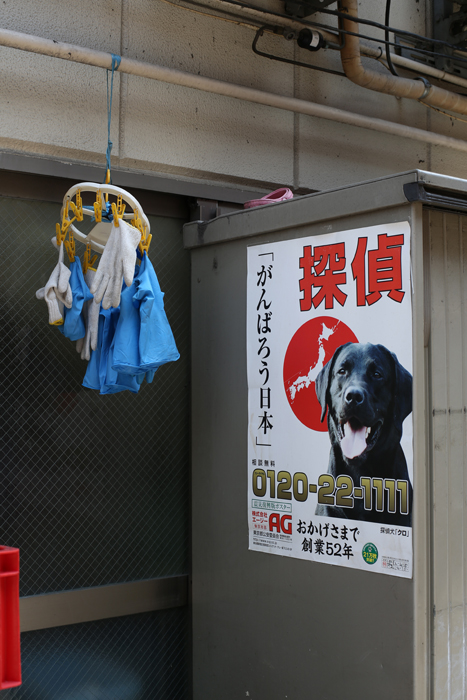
(115, 313)
(99, 374)
(74, 327)
(111, 382)
(143, 338)
(117, 262)
(92, 378)
(91, 321)
(57, 292)
(116, 381)
(126, 345)
(156, 341)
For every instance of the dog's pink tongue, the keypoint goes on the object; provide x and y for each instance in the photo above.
(354, 441)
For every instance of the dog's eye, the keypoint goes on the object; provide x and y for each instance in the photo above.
(341, 371)
(377, 374)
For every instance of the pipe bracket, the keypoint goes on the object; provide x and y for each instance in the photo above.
(427, 89)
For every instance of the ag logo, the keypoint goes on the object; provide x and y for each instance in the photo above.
(370, 553)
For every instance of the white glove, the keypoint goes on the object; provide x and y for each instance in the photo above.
(91, 319)
(117, 263)
(57, 291)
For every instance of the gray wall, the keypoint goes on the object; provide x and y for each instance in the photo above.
(58, 109)
(446, 239)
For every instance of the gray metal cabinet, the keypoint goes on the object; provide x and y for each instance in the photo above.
(270, 627)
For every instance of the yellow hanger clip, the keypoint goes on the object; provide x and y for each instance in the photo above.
(118, 209)
(77, 208)
(145, 241)
(88, 259)
(70, 247)
(98, 207)
(146, 237)
(62, 230)
(58, 234)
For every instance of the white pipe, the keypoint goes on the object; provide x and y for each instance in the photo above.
(101, 59)
(414, 66)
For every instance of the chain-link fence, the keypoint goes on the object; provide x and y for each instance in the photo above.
(140, 657)
(94, 488)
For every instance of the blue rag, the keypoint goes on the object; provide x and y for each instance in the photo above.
(99, 373)
(74, 327)
(112, 381)
(143, 340)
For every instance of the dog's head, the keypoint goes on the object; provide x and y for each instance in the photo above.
(367, 394)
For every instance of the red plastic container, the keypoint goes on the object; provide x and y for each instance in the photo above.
(10, 654)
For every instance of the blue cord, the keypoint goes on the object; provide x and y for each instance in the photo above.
(115, 65)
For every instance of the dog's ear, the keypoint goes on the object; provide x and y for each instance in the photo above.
(323, 379)
(402, 395)
(402, 391)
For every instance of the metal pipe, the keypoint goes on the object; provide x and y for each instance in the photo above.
(390, 84)
(101, 59)
(415, 66)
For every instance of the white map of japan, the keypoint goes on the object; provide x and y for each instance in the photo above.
(304, 382)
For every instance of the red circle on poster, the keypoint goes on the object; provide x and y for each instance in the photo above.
(309, 350)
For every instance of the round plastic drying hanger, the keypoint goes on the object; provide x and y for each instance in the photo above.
(100, 233)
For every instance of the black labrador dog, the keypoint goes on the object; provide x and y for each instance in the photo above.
(367, 394)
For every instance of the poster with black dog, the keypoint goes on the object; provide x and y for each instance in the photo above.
(329, 351)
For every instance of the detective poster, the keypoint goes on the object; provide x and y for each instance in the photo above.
(329, 343)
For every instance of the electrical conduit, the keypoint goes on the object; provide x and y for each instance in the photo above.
(389, 84)
(414, 66)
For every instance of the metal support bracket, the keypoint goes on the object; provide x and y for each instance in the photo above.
(298, 8)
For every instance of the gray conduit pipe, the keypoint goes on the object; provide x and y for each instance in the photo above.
(414, 66)
(78, 54)
(390, 84)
